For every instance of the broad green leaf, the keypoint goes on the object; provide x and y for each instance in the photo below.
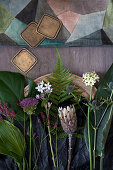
(104, 126)
(12, 90)
(12, 142)
(32, 91)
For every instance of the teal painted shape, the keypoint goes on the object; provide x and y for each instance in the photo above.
(14, 30)
(86, 25)
(14, 6)
(51, 43)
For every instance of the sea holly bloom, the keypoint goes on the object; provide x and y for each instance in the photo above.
(29, 105)
(90, 78)
(68, 119)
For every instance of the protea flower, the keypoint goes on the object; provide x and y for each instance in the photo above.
(68, 119)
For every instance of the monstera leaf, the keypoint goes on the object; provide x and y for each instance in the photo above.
(12, 90)
(12, 142)
(103, 115)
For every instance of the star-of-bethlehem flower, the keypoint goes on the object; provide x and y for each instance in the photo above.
(68, 118)
(29, 105)
(43, 88)
(90, 78)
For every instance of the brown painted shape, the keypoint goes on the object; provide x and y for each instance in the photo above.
(30, 36)
(88, 6)
(59, 6)
(24, 60)
(49, 26)
(69, 20)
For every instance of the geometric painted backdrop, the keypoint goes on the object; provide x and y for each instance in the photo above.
(85, 22)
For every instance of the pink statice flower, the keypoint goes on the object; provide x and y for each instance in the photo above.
(29, 105)
(28, 133)
(42, 115)
(55, 125)
(38, 120)
(0, 117)
(7, 112)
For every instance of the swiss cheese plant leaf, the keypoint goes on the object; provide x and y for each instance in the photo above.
(12, 142)
(12, 90)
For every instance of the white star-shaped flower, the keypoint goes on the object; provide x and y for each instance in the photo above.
(40, 88)
(48, 86)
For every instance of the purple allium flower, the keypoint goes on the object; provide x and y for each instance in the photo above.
(55, 125)
(29, 105)
(42, 115)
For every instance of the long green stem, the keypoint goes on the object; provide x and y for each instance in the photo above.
(50, 141)
(24, 144)
(101, 162)
(89, 135)
(30, 143)
(56, 149)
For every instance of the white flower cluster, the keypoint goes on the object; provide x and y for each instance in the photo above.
(66, 113)
(44, 87)
(90, 78)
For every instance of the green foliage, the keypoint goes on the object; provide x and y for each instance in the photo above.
(60, 79)
(12, 90)
(32, 91)
(103, 115)
(11, 141)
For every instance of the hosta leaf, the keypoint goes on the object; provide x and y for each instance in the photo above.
(11, 141)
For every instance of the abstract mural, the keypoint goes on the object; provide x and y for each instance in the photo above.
(85, 22)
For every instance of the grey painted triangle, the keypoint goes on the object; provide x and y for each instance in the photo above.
(5, 40)
(93, 39)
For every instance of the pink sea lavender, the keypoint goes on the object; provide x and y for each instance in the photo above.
(5, 111)
(29, 105)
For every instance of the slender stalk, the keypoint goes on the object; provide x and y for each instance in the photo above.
(30, 143)
(89, 135)
(56, 150)
(50, 141)
(94, 155)
(69, 152)
(101, 162)
(23, 164)
(24, 144)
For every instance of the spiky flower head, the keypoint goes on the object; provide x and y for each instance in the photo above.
(29, 105)
(90, 78)
(68, 118)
